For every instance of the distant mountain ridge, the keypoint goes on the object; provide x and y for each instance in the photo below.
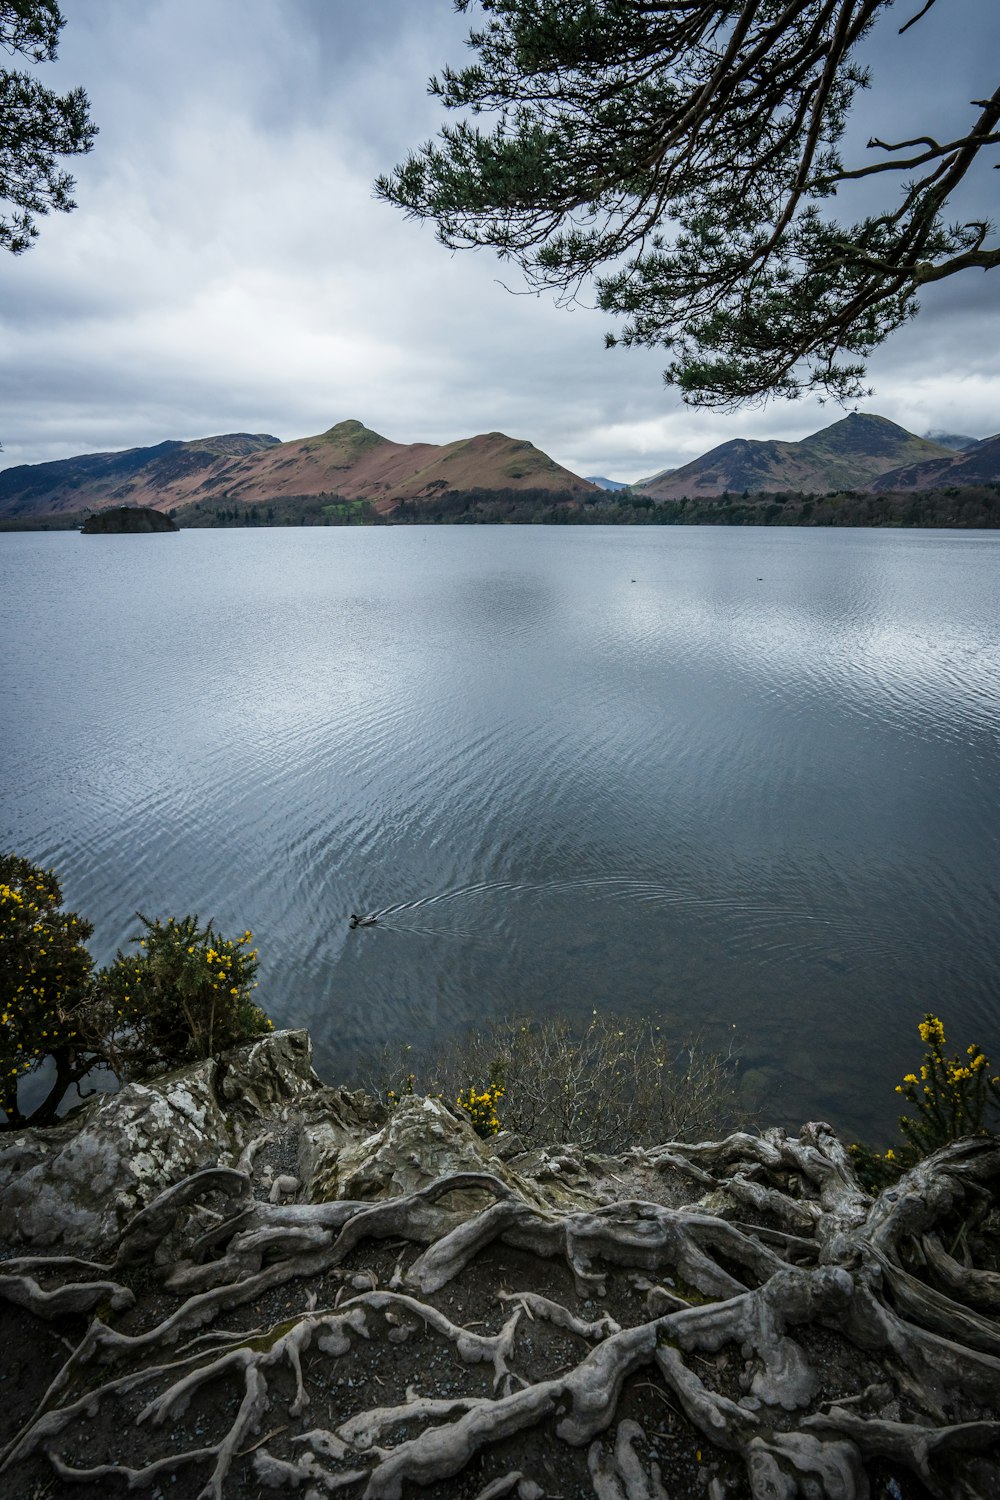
(854, 453)
(244, 469)
(350, 473)
(979, 464)
(957, 440)
(607, 484)
(96, 481)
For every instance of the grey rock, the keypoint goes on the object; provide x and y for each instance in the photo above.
(419, 1141)
(266, 1077)
(330, 1120)
(283, 1187)
(77, 1184)
(342, 1156)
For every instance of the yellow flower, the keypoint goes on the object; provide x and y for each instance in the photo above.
(931, 1030)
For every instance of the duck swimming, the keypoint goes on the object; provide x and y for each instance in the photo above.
(357, 921)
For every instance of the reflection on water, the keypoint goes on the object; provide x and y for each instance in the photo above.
(738, 777)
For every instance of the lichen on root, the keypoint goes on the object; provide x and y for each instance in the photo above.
(327, 1348)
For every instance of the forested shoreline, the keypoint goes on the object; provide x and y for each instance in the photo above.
(962, 507)
(968, 507)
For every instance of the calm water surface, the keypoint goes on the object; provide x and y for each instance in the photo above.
(744, 778)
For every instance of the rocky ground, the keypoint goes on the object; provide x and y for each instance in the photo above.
(236, 1282)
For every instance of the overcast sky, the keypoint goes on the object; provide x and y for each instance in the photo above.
(228, 268)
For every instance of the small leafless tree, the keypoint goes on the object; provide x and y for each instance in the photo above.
(614, 1083)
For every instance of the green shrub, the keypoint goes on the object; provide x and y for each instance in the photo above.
(953, 1096)
(405, 1090)
(185, 995)
(45, 993)
(875, 1169)
(481, 1107)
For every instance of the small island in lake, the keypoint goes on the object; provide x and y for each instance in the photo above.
(127, 519)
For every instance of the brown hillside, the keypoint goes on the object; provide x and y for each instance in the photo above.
(347, 460)
(352, 461)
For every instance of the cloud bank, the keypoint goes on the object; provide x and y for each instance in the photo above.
(228, 268)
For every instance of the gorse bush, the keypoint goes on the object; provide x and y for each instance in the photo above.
(46, 1006)
(479, 1104)
(953, 1096)
(481, 1107)
(875, 1169)
(185, 994)
(405, 1091)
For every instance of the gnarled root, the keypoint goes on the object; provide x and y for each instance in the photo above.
(793, 1355)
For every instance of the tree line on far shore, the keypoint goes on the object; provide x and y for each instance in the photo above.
(962, 507)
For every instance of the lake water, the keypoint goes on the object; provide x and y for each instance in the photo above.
(743, 778)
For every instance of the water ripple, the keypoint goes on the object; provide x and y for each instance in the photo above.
(754, 787)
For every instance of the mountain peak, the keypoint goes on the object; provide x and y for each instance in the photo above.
(346, 429)
(849, 454)
(352, 431)
(870, 439)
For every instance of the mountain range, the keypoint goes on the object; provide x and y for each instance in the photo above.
(860, 452)
(242, 469)
(351, 472)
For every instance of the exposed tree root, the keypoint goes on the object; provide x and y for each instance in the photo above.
(732, 1344)
(73, 1297)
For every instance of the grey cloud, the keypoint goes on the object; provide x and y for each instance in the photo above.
(228, 268)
